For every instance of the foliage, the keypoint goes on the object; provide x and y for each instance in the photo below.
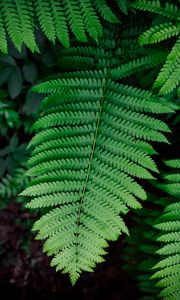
(12, 184)
(106, 76)
(167, 270)
(19, 19)
(169, 77)
(140, 248)
(98, 156)
(156, 255)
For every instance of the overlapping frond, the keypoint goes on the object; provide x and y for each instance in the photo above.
(169, 10)
(123, 5)
(168, 224)
(140, 249)
(91, 144)
(17, 17)
(159, 33)
(57, 19)
(12, 185)
(123, 57)
(3, 44)
(155, 257)
(168, 78)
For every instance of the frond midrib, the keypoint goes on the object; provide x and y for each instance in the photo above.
(80, 209)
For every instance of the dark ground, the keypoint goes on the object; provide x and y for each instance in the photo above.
(25, 273)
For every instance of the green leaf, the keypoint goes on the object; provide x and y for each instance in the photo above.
(30, 72)
(15, 82)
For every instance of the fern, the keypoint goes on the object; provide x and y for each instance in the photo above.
(140, 249)
(12, 23)
(75, 19)
(168, 78)
(159, 33)
(138, 65)
(55, 18)
(18, 20)
(12, 185)
(75, 58)
(105, 11)
(123, 5)
(26, 20)
(169, 225)
(92, 149)
(90, 143)
(156, 255)
(123, 57)
(169, 10)
(3, 44)
(91, 20)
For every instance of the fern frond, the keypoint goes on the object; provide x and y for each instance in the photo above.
(45, 18)
(140, 250)
(88, 169)
(12, 22)
(3, 44)
(123, 5)
(168, 10)
(60, 22)
(54, 18)
(155, 250)
(169, 77)
(26, 18)
(12, 185)
(168, 224)
(159, 33)
(75, 19)
(105, 11)
(91, 20)
(109, 55)
(173, 163)
(18, 19)
(137, 65)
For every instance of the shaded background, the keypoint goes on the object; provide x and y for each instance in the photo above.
(25, 272)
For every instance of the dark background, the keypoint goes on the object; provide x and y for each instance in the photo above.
(25, 272)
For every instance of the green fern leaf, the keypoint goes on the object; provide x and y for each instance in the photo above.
(137, 65)
(123, 5)
(154, 252)
(60, 23)
(45, 18)
(91, 20)
(3, 44)
(105, 12)
(54, 18)
(88, 169)
(169, 77)
(169, 10)
(168, 268)
(26, 18)
(75, 19)
(12, 185)
(12, 22)
(173, 163)
(159, 33)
